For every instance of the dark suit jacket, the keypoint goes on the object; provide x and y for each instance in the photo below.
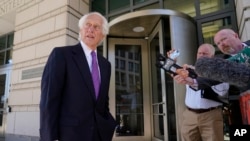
(69, 110)
(247, 42)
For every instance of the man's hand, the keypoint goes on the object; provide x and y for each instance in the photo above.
(169, 54)
(183, 80)
(182, 72)
(186, 66)
(182, 76)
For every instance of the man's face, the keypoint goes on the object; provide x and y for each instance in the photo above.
(204, 51)
(91, 31)
(228, 43)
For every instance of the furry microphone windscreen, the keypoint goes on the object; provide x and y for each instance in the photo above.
(222, 70)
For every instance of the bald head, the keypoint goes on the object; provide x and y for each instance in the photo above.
(228, 41)
(205, 50)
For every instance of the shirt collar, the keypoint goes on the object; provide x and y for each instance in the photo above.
(244, 45)
(86, 49)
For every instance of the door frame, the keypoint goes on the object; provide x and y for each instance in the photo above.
(6, 70)
(145, 85)
(159, 30)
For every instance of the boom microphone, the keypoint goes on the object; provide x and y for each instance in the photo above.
(222, 70)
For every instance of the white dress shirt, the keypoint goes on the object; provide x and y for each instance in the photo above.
(195, 101)
(87, 52)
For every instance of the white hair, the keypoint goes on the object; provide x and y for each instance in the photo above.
(105, 26)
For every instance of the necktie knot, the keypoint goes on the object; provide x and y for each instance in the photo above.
(95, 73)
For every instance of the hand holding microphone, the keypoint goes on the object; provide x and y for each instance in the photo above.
(170, 66)
(183, 77)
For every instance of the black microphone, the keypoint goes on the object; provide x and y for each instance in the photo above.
(222, 70)
(170, 66)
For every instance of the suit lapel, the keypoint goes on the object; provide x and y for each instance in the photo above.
(82, 64)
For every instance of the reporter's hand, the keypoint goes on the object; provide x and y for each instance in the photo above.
(186, 66)
(183, 72)
(179, 79)
(189, 81)
(169, 52)
(183, 80)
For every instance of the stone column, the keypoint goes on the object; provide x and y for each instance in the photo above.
(243, 18)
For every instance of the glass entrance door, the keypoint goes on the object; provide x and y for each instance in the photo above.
(142, 95)
(162, 93)
(129, 88)
(4, 91)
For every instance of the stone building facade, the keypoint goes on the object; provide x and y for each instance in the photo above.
(38, 27)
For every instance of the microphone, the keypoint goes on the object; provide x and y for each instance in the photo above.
(222, 70)
(170, 66)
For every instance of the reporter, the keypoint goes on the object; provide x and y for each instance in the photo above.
(202, 119)
(229, 43)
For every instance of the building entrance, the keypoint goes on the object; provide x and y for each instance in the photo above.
(129, 88)
(4, 92)
(143, 97)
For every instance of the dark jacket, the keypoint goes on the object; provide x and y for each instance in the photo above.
(69, 110)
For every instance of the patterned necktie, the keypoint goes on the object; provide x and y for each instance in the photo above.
(95, 73)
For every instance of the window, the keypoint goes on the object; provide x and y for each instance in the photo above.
(209, 6)
(131, 66)
(139, 1)
(6, 45)
(185, 6)
(99, 5)
(129, 97)
(210, 28)
(115, 5)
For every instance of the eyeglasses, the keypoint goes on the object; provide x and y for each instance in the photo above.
(95, 27)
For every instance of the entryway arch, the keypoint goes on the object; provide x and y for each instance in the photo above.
(146, 103)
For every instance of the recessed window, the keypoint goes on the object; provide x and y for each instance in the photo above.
(6, 45)
(210, 28)
(209, 6)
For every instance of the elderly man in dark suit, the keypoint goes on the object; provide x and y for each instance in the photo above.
(75, 85)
